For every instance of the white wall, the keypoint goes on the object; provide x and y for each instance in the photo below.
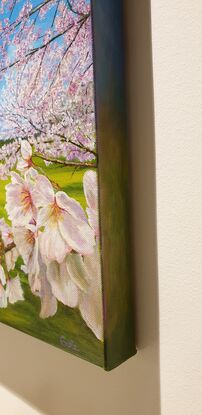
(177, 63)
(12, 404)
(55, 383)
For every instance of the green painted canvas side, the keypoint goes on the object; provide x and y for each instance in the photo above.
(114, 182)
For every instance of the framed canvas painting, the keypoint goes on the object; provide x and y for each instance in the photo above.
(65, 263)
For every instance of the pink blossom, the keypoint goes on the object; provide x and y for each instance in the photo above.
(25, 160)
(65, 223)
(19, 201)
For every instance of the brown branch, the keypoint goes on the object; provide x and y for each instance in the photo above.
(87, 150)
(9, 247)
(73, 10)
(66, 163)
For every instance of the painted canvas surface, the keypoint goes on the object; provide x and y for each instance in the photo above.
(50, 273)
(64, 240)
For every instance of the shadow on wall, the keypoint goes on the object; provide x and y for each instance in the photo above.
(59, 384)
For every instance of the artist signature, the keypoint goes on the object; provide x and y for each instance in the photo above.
(68, 344)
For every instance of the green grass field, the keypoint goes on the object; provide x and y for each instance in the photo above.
(66, 329)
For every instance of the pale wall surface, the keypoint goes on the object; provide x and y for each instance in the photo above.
(177, 61)
(12, 404)
(55, 383)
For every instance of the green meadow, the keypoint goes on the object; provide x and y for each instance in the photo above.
(66, 329)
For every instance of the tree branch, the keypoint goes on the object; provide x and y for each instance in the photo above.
(9, 247)
(73, 10)
(66, 163)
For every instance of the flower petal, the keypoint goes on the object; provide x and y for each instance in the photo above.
(77, 271)
(6, 232)
(72, 295)
(48, 301)
(19, 204)
(93, 219)
(93, 264)
(77, 233)
(43, 193)
(25, 243)
(90, 184)
(31, 175)
(14, 290)
(11, 258)
(90, 305)
(3, 297)
(26, 150)
(22, 164)
(91, 312)
(16, 178)
(18, 216)
(62, 286)
(70, 205)
(43, 216)
(52, 245)
(2, 276)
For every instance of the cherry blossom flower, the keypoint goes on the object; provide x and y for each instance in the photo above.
(11, 255)
(25, 160)
(14, 290)
(19, 203)
(65, 223)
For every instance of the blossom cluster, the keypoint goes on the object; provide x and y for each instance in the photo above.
(22, 26)
(57, 241)
(47, 90)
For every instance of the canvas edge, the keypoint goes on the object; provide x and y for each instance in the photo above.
(112, 140)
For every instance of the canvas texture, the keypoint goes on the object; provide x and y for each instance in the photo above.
(60, 275)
